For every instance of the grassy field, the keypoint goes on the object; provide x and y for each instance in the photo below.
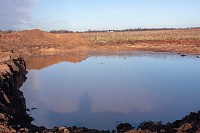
(193, 34)
(179, 41)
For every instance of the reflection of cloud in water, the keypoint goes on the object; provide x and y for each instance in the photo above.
(124, 101)
(62, 94)
(131, 89)
(63, 98)
(63, 104)
(84, 116)
(35, 81)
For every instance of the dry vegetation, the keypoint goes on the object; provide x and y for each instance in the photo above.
(108, 37)
(181, 41)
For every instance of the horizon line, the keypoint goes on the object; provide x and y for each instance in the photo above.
(104, 30)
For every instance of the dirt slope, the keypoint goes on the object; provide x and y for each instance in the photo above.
(34, 41)
(37, 36)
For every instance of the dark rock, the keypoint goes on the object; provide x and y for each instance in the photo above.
(123, 127)
(181, 54)
(33, 108)
(11, 98)
(24, 130)
(62, 130)
(185, 127)
(2, 117)
(190, 123)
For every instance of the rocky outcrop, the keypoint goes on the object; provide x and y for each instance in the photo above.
(189, 124)
(12, 102)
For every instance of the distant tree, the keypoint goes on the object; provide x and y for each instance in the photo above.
(10, 31)
(60, 31)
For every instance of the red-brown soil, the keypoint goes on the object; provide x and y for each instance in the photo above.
(176, 41)
(33, 42)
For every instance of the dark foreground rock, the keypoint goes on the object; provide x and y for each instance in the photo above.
(12, 102)
(189, 124)
(14, 117)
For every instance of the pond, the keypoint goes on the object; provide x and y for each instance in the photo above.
(100, 91)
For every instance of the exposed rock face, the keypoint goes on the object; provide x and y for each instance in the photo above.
(189, 124)
(123, 127)
(12, 102)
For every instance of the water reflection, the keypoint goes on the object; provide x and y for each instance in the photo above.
(39, 62)
(102, 91)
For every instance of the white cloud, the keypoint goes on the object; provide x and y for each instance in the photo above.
(33, 24)
(14, 13)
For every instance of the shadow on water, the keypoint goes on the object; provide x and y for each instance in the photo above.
(85, 104)
(85, 117)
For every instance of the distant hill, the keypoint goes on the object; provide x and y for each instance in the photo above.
(34, 41)
(37, 36)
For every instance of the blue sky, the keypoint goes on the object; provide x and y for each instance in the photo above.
(101, 14)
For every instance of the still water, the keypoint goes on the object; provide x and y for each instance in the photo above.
(102, 91)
